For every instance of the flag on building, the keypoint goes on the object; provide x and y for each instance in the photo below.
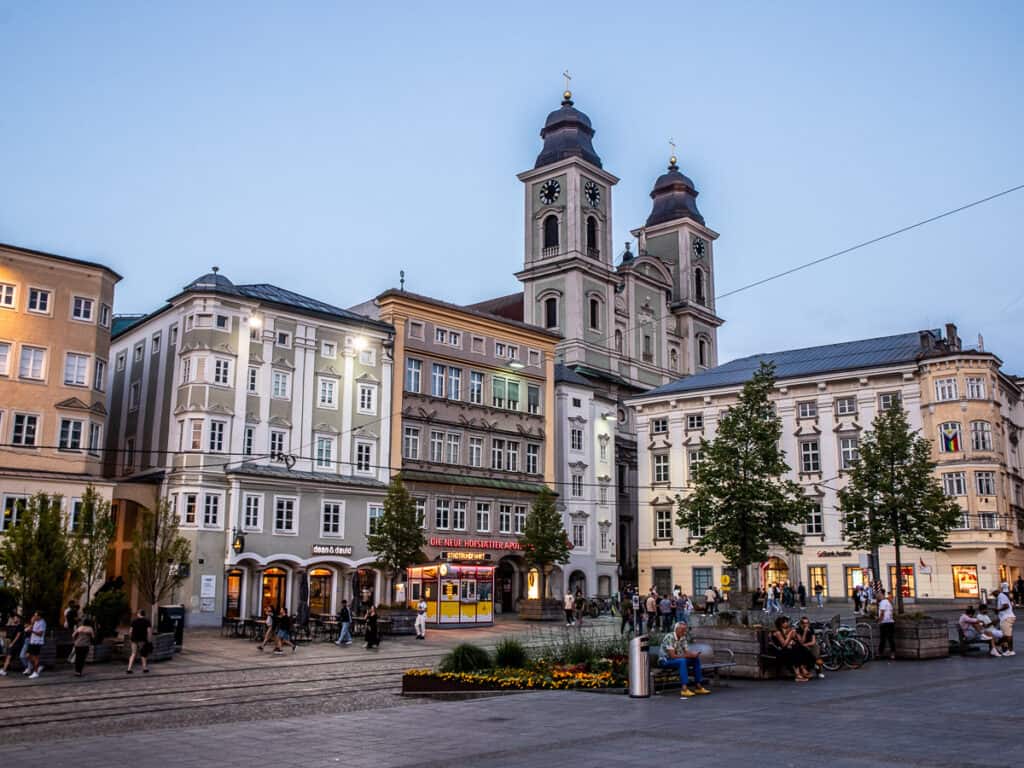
(950, 438)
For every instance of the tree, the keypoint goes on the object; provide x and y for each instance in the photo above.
(893, 496)
(90, 540)
(33, 556)
(740, 501)
(544, 540)
(397, 538)
(157, 551)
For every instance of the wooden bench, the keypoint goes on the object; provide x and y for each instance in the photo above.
(964, 646)
(712, 666)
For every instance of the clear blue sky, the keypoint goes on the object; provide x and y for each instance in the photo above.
(323, 147)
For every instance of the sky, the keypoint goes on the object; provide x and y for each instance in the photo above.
(324, 147)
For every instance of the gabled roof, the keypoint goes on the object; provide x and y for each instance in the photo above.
(123, 322)
(809, 361)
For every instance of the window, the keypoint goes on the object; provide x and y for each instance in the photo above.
(476, 387)
(954, 483)
(497, 392)
(595, 315)
(119, 363)
(7, 296)
(172, 339)
(459, 515)
(550, 232)
(604, 537)
(618, 341)
(702, 579)
(39, 301)
(817, 574)
(659, 426)
(364, 457)
(196, 432)
(532, 399)
(483, 517)
(24, 430)
(129, 455)
(981, 436)
(437, 380)
(603, 449)
(964, 522)
(190, 509)
(437, 447)
(533, 357)
(695, 421)
(329, 349)
(699, 286)
(648, 348)
(415, 329)
(945, 389)
(577, 486)
(513, 395)
(253, 378)
(284, 514)
(140, 350)
(222, 322)
(413, 369)
(211, 510)
(440, 336)
(368, 399)
(14, 507)
(411, 443)
(421, 512)
(283, 339)
(453, 441)
(663, 523)
(500, 350)
(985, 483)
(81, 308)
(849, 452)
(70, 434)
(504, 518)
(76, 369)
(442, 513)
(661, 467)
(99, 375)
(512, 455)
(276, 442)
(807, 409)
(551, 312)
(217, 436)
(949, 437)
(133, 396)
(578, 535)
(519, 518)
(532, 459)
(576, 439)
(988, 521)
(248, 440)
(373, 515)
(497, 453)
(476, 451)
(280, 385)
(154, 344)
(454, 338)
(222, 372)
(33, 363)
(95, 435)
(694, 464)
(810, 458)
(252, 513)
(325, 452)
(5, 358)
(186, 368)
(592, 248)
(846, 406)
(75, 515)
(814, 524)
(454, 383)
(332, 519)
(887, 400)
(975, 388)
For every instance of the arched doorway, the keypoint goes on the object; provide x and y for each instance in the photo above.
(321, 588)
(504, 584)
(273, 592)
(774, 571)
(364, 589)
(233, 594)
(578, 583)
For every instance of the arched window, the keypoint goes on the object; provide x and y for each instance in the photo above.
(551, 312)
(699, 293)
(595, 315)
(592, 249)
(618, 341)
(702, 352)
(551, 232)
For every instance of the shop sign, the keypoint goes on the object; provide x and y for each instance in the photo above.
(833, 553)
(460, 555)
(444, 541)
(332, 549)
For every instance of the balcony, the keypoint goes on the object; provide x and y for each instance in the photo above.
(550, 251)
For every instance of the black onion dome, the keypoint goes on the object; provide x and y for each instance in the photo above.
(567, 133)
(674, 197)
(211, 281)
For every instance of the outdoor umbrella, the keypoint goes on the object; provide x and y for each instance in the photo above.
(303, 609)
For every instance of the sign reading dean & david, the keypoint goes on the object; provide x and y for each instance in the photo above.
(332, 549)
(456, 543)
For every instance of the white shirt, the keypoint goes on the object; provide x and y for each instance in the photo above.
(38, 636)
(885, 612)
(568, 602)
(1005, 606)
(422, 607)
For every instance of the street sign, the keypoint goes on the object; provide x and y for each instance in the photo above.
(726, 580)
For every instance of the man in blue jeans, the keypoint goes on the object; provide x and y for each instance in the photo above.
(675, 654)
(345, 622)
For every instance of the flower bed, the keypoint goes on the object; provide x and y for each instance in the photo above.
(555, 679)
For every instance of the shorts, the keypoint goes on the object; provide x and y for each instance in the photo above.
(970, 635)
(139, 648)
(1006, 625)
(283, 634)
(33, 649)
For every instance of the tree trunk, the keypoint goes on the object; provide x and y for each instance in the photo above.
(899, 576)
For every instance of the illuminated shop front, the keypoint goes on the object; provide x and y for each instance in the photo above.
(965, 581)
(456, 595)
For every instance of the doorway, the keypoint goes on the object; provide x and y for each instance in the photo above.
(320, 582)
(776, 571)
(505, 576)
(233, 600)
(273, 590)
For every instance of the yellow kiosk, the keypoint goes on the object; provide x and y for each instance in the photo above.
(456, 595)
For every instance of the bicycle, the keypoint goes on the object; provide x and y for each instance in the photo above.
(840, 648)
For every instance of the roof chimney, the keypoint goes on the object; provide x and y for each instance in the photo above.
(952, 340)
(927, 340)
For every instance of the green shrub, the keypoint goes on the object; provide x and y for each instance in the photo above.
(108, 609)
(580, 650)
(510, 653)
(466, 658)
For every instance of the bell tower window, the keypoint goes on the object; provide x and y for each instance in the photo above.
(551, 312)
(702, 352)
(699, 292)
(592, 250)
(595, 315)
(550, 235)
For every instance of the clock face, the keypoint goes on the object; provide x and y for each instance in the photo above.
(699, 247)
(549, 191)
(593, 194)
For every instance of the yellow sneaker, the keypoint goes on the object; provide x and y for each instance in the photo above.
(701, 689)
(686, 693)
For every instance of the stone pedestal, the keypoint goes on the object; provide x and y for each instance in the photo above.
(541, 610)
(922, 638)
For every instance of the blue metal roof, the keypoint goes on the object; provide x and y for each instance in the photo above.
(794, 363)
(272, 293)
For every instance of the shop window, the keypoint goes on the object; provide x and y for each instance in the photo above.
(907, 583)
(965, 581)
(817, 574)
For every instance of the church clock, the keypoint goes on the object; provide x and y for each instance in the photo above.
(549, 191)
(593, 194)
(699, 247)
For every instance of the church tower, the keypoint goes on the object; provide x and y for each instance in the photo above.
(568, 277)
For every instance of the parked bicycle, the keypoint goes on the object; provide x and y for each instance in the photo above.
(840, 647)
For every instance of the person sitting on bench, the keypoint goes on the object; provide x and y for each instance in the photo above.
(675, 654)
(974, 632)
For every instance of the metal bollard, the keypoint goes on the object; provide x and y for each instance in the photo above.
(639, 667)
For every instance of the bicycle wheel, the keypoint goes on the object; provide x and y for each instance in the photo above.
(831, 656)
(855, 653)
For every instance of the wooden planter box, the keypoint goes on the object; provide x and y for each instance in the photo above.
(922, 639)
(99, 653)
(541, 610)
(742, 641)
(431, 684)
(402, 621)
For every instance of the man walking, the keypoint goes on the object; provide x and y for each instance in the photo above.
(651, 607)
(345, 625)
(819, 594)
(675, 654)
(1007, 618)
(886, 627)
(421, 620)
(567, 606)
(36, 640)
(801, 593)
(141, 636)
(709, 600)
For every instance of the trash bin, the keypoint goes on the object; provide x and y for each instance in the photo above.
(640, 667)
(171, 618)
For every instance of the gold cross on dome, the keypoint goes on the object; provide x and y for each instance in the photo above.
(567, 77)
(672, 143)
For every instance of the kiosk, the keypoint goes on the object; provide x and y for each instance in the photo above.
(456, 595)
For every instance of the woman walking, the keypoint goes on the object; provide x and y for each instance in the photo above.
(82, 639)
(14, 637)
(372, 632)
